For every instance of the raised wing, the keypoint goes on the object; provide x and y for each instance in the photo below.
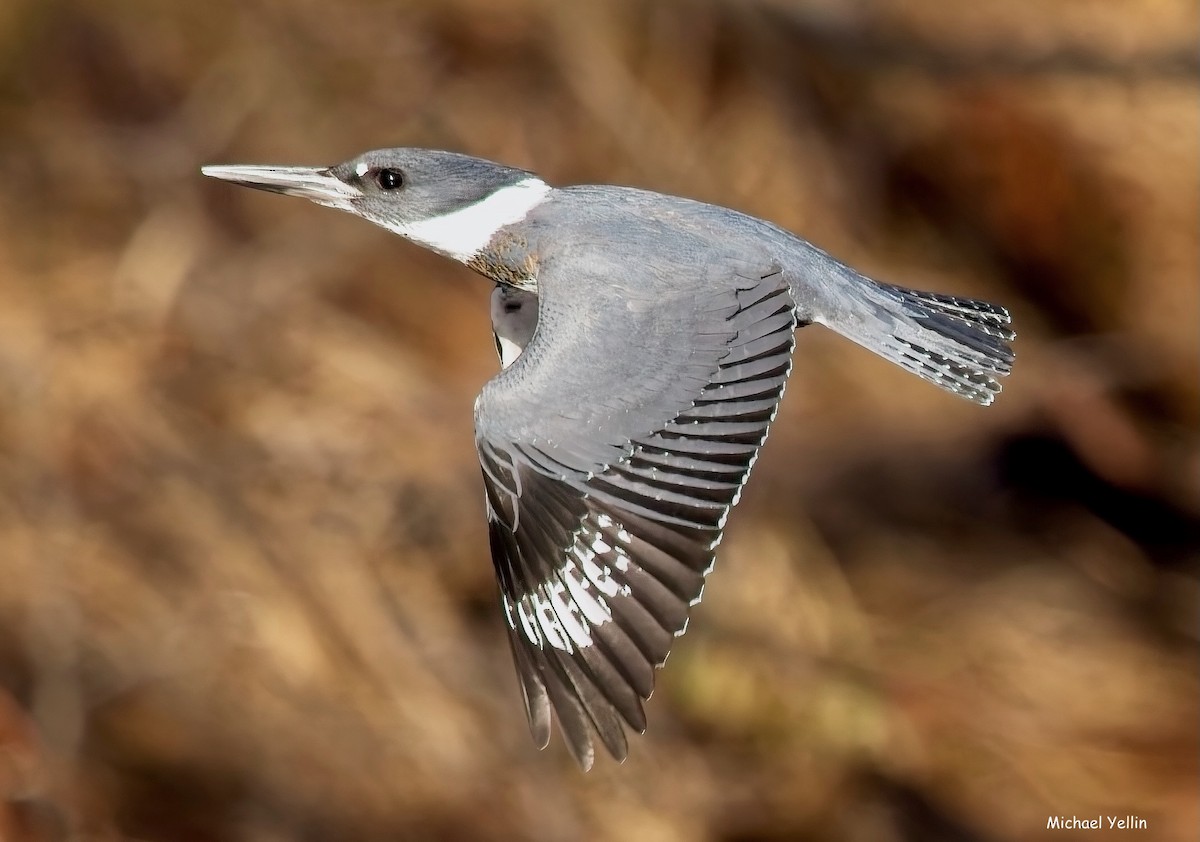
(610, 466)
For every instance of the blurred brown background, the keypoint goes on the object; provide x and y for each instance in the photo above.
(244, 584)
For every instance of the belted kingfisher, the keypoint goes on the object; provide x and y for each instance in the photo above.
(645, 341)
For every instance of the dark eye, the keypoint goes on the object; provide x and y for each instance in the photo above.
(389, 179)
(512, 306)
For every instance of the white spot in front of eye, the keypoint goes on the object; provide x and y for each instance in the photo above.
(361, 169)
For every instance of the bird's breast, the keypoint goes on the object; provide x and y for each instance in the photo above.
(508, 259)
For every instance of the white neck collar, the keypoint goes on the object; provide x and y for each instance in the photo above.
(463, 233)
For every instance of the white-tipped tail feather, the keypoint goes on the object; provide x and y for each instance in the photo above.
(959, 344)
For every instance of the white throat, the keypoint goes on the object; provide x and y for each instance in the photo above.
(463, 233)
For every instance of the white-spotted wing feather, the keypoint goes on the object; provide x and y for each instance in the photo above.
(598, 565)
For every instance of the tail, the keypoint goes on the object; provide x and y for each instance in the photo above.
(959, 344)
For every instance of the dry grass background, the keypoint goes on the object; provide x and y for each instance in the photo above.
(244, 585)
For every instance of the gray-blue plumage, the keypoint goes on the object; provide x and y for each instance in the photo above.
(631, 409)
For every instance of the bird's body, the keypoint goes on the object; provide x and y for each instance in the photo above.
(632, 406)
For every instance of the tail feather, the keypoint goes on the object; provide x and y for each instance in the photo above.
(992, 319)
(959, 344)
(951, 375)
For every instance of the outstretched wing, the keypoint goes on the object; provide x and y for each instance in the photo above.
(612, 451)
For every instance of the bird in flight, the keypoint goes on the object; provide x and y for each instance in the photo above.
(645, 343)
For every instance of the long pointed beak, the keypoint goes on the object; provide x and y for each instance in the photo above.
(313, 183)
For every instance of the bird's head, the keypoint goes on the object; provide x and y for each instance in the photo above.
(452, 204)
